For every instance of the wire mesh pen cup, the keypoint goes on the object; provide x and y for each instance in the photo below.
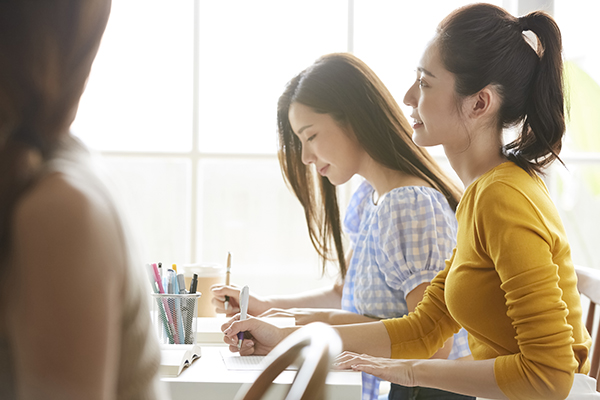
(173, 317)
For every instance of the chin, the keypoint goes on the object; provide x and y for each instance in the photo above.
(420, 140)
(337, 182)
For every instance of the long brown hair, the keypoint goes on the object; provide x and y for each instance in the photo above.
(483, 44)
(46, 52)
(343, 86)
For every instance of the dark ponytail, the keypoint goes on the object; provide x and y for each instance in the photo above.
(484, 45)
(544, 125)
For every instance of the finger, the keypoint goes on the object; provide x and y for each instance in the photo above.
(227, 324)
(345, 356)
(232, 310)
(237, 326)
(377, 371)
(369, 369)
(344, 364)
(230, 340)
(217, 299)
(247, 348)
(220, 308)
(222, 290)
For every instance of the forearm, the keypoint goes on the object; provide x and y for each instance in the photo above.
(341, 317)
(327, 297)
(475, 378)
(369, 338)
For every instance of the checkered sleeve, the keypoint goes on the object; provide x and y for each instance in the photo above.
(417, 232)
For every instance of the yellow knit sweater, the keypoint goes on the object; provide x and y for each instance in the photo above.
(511, 284)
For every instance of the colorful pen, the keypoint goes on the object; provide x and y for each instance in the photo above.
(152, 273)
(245, 295)
(165, 304)
(178, 313)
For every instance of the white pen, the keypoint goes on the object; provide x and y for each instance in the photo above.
(244, 297)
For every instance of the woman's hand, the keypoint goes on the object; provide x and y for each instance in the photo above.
(392, 370)
(259, 337)
(303, 316)
(256, 305)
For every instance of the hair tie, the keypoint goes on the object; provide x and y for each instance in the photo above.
(523, 23)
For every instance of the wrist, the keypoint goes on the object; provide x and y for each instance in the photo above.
(263, 304)
(417, 369)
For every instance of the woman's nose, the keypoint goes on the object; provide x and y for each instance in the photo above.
(308, 156)
(410, 98)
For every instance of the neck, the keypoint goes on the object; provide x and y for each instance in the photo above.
(384, 179)
(479, 157)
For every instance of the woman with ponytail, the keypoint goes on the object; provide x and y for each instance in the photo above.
(74, 320)
(510, 281)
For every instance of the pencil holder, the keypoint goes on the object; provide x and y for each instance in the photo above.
(173, 317)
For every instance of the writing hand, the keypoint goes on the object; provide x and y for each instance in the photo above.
(259, 337)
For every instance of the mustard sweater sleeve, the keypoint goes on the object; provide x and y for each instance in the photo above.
(419, 334)
(516, 231)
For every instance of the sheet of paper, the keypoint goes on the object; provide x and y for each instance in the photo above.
(233, 361)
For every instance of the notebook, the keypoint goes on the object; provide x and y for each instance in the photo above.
(175, 358)
(235, 362)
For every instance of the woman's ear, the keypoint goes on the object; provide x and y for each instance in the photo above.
(484, 104)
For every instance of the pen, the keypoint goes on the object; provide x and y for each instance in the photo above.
(152, 272)
(191, 310)
(178, 312)
(181, 283)
(166, 305)
(170, 287)
(194, 284)
(244, 311)
(187, 315)
(227, 276)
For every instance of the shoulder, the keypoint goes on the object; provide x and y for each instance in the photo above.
(507, 194)
(60, 199)
(361, 194)
(68, 221)
(356, 207)
(415, 199)
(507, 183)
(411, 209)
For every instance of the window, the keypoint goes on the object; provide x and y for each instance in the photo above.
(181, 104)
(576, 188)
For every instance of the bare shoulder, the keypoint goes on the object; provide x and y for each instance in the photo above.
(67, 220)
(61, 199)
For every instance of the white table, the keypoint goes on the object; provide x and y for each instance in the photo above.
(208, 378)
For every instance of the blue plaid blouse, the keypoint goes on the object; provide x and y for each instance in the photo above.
(398, 244)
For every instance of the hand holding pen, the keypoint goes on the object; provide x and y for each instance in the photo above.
(259, 336)
(256, 304)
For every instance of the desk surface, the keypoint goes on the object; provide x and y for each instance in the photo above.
(208, 378)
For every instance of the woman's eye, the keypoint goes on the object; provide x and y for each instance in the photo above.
(422, 83)
(311, 138)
